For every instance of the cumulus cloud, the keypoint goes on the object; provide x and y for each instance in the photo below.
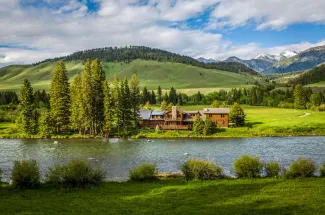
(58, 27)
(272, 14)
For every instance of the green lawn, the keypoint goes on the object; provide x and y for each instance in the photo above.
(260, 196)
(150, 73)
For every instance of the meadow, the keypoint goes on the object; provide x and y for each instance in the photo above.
(173, 196)
(150, 73)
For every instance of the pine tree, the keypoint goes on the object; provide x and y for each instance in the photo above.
(108, 109)
(163, 106)
(153, 98)
(26, 121)
(87, 99)
(135, 100)
(299, 97)
(237, 115)
(125, 108)
(116, 95)
(198, 125)
(60, 97)
(254, 96)
(98, 78)
(207, 127)
(77, 103)
(46, 125)
(159, 95)
(145, 96)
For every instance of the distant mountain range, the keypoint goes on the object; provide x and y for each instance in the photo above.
(206, 61)
(288, 61)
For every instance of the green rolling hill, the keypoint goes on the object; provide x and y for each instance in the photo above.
(151, 74)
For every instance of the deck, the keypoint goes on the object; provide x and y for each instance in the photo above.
(174, 127)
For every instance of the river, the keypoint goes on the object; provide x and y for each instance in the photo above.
(118, 156)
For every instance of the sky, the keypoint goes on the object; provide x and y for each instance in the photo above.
(34, 30)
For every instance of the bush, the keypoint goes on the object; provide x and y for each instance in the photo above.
(145, 172)
(247, 167)
(25, 174)
(273, 169)
(302, 168)
(201, 169)
(77, 173)
(322, 170)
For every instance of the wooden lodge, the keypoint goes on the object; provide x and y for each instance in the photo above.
(178, 119)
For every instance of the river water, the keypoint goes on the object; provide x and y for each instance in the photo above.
(118, 156)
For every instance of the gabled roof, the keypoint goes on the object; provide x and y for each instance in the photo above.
(216, 110)
(157, 113)
(192, 111)
(145, 114)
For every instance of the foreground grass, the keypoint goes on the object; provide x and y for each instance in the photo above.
(260, 196)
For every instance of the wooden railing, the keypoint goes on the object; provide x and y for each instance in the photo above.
(174, 127)
(171, 119)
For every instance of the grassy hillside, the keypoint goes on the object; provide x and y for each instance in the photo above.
(259, 196)
(151, 74)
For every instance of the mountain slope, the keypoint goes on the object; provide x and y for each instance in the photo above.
(303, 61)
(257, 64)
(312, 76)
(206, 61)
(150, 73)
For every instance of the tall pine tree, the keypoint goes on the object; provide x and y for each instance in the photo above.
(60, 98)
(299, 97)
(135, 100)
(76, 117)
(159, 95)
(108, 108)
(98, 78)
(26, 120)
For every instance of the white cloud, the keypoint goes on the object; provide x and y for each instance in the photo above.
(269, 14)
(57, 31)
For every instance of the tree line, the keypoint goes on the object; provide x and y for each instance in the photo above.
(297, 97)
(130, 53)
(89, 105)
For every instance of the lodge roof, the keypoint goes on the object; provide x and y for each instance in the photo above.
(145, 114)
(157, 113)
(216, 110)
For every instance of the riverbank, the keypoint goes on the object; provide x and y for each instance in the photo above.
(260, 122)
(173, 196)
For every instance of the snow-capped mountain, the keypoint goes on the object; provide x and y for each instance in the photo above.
(277, 57)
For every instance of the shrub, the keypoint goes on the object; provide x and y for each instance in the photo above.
(321, 107)
(301, 168)
(273, 169)
(25, 174)
(201, 169)
(145, 172)
(247, 167)
(77, 173)
(322, 170)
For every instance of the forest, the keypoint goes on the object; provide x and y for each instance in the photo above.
(311, 76)
(128, 54)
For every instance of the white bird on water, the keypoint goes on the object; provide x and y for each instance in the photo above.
(186, 154)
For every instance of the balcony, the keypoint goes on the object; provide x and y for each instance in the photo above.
(171, 119)
(174, 127)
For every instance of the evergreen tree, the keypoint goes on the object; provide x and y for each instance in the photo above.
(60, 97)
(135, 100)
(153, 98)
(207, 127)
(26, 121)
(87, 99)
(46, 125)
(198, 125)
(126, 114)
(237, 115)
(316, 99)
(145, 96)
(116, 95)
(254, 96)
(159, 95)
(77, 103)
(299, 97)
(108, 108)
(163, 106)
(172, 96)
(98, 78)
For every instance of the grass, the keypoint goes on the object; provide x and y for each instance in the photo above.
(259, 196)
(150, 73)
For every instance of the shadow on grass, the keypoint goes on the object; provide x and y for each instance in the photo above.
(162, 197)
(251, 124)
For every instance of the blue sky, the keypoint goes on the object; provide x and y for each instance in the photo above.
(218, 29)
